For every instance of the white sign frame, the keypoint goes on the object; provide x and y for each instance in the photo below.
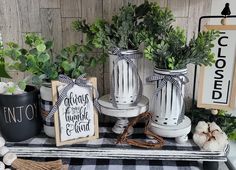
(59, 142)
(219, 100)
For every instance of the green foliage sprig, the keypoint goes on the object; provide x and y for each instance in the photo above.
(40, 61)
(167, 46)
(122, 32)
(3, 72)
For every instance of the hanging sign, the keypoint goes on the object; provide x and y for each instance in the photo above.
(76, 119)
(217, 83)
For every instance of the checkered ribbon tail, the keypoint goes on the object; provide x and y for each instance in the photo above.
(128, 58)
(80, 81)
(173, 79)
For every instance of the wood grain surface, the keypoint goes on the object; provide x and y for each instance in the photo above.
(52, 19)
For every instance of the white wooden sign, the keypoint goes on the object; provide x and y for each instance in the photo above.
(217, 84)
(76, 119)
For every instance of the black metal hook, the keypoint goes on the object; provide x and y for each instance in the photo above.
(226, 11)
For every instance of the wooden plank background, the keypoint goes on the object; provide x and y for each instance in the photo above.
(52, 19)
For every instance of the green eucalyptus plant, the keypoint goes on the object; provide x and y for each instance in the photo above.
(121, 33)
(167, 46)
(39, 60)
(3, 72)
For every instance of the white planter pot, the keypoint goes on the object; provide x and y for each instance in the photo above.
(126, 81)
(46, 106)
(169, 104)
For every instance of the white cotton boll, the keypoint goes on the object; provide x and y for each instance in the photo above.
(200, 139)
(211, 145)
(10, 84)
(2, 166)
(214, 126)
(221, 138)
(201, 127)
(8, 93)
(3, 87)
(18, 91)
(220, 135)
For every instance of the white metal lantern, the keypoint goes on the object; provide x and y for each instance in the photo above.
(168, 104)
(126, 84)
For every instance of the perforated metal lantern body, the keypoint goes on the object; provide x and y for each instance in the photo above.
(168, 106)
(126, 81)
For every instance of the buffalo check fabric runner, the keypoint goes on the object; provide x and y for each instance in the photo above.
(125, 164)
(107, 139)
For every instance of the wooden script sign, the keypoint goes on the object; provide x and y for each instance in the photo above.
(76, 119)
(217, 86)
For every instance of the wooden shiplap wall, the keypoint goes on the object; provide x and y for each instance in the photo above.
(52, 19)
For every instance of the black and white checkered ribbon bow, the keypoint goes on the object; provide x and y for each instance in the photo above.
(128, 58)
(80, 81)
(176, 80)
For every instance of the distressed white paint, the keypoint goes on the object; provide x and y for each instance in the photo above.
(179, 132)
(118, 153)
(168, 105)
(123, 110)
(126, 81)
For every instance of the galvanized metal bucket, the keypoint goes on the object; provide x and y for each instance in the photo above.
(168, 104)
(126, 83)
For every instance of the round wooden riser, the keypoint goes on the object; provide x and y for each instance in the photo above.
(122, 112)
(179, 132)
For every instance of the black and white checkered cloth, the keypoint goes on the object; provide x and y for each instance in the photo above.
(125, 164)
(46, 106)
(107, 139)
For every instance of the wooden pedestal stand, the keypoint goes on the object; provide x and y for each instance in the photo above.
(122, 112)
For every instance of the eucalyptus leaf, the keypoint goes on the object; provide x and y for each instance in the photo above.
(49, 45)
(3, 72)
(41, 47)
(66, 66)
(22, 84)
(93, 62)
(11, 89)
(43, 57)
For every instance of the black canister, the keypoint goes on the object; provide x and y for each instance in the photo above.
(19, 115)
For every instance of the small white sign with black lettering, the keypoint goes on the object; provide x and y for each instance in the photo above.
(76, 119)
(76, 113)
(217, 83)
